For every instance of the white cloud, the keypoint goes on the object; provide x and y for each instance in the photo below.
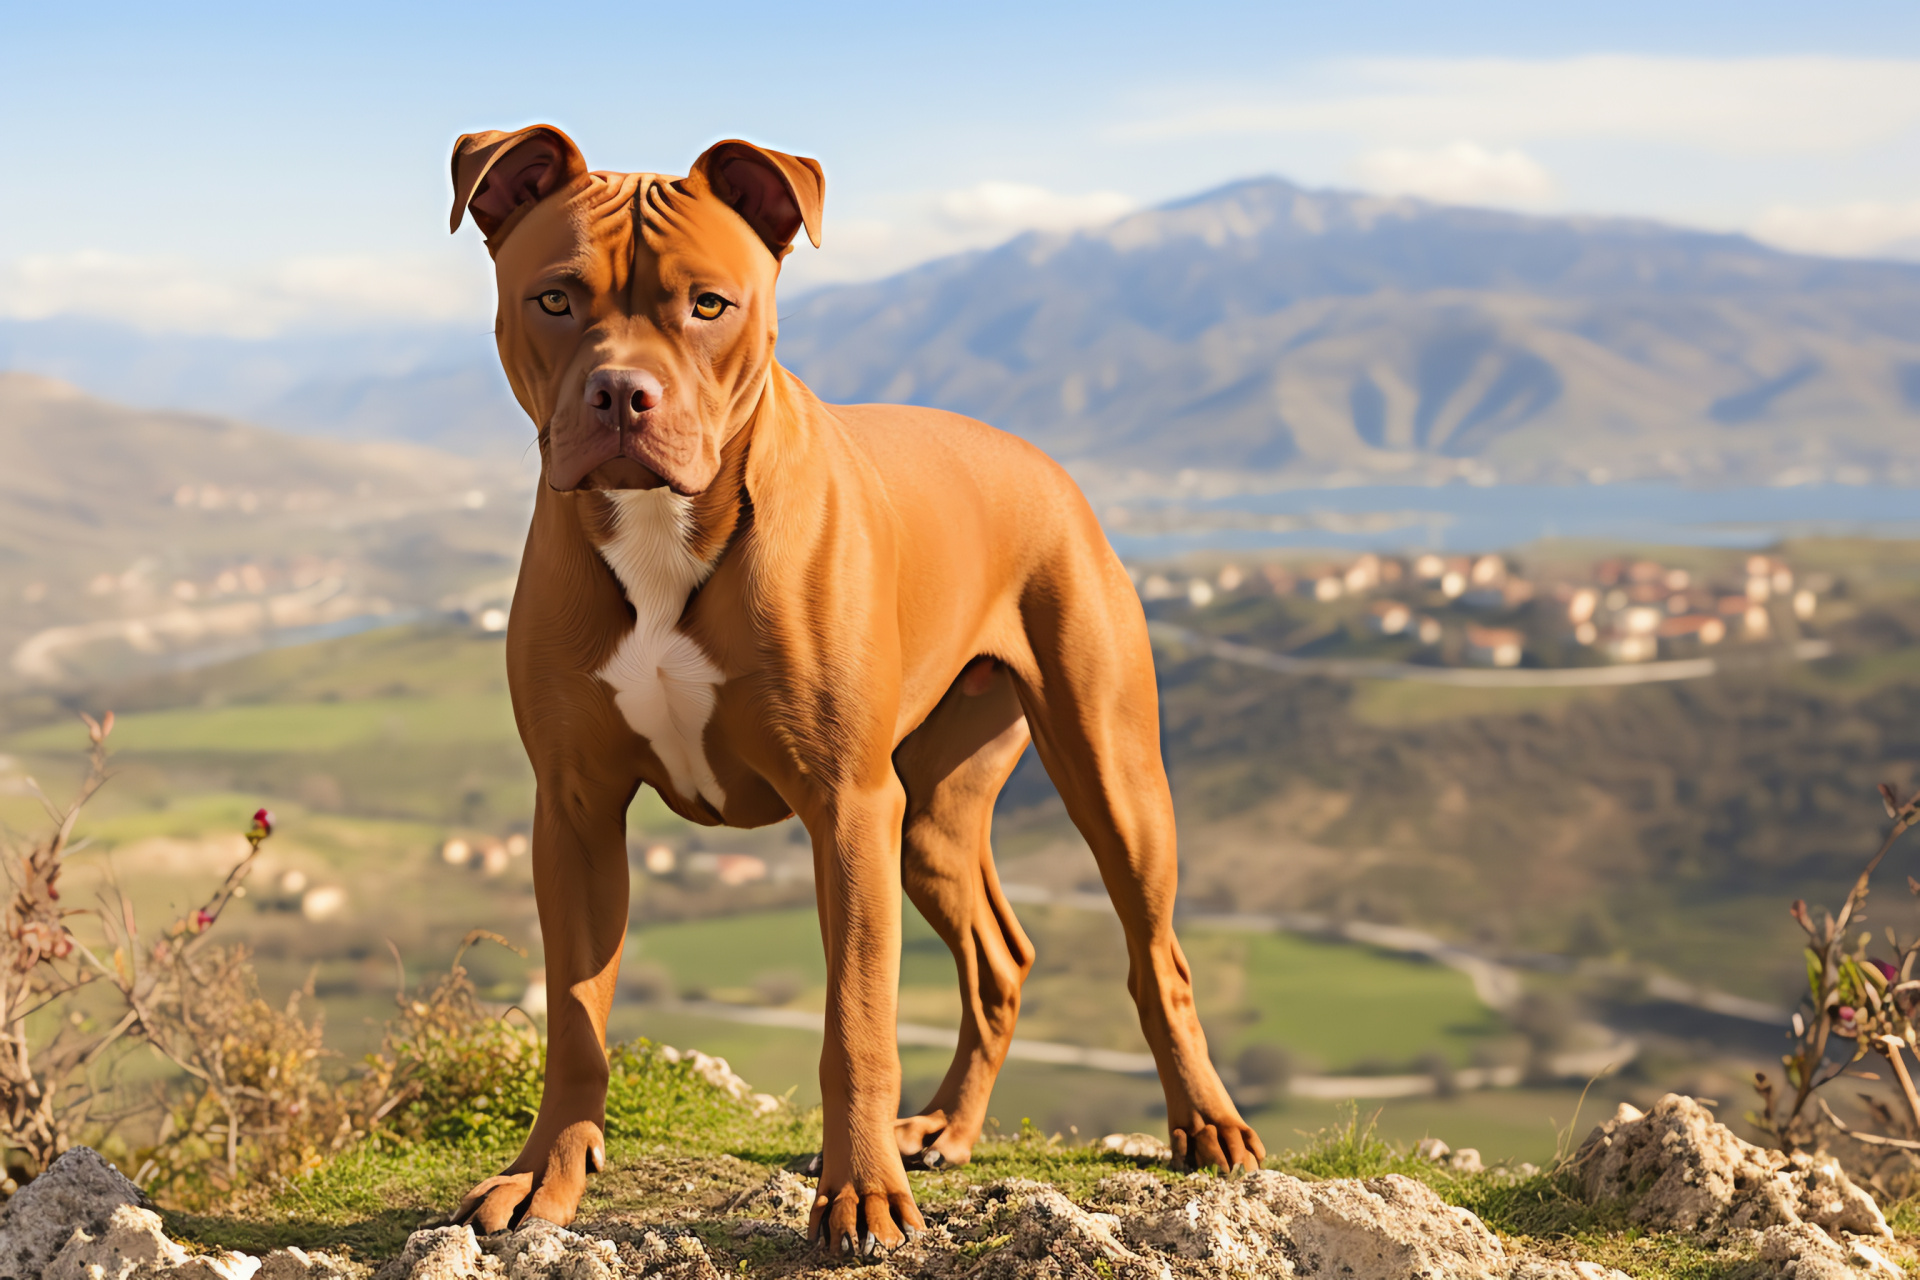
(179, 295)
(1458, 173)
(1860, 230)
(1792, 105)
(992, 211)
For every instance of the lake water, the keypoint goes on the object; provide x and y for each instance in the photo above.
(1463, 517)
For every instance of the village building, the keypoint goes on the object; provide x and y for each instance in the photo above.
(1691, 631)
(1325, 585)
(1388, 617)
(1495, 646)
(1630, 646)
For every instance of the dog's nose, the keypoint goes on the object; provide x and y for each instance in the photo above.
(617, 397)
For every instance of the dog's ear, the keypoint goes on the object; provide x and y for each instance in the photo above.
(495, 173)
(776, 193)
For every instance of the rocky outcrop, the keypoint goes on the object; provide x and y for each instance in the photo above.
(78, 1192)
(81, 1220)
(1138, 1146)
(1679, 1169)
(723, 1077)
(1805, 1252)
(133, 1245)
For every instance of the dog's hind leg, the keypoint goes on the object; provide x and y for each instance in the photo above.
(952, 768)
(1092, 705)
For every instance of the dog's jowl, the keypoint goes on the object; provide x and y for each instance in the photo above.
(762, 605)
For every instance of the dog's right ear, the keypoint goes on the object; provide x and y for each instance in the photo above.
(496, 174)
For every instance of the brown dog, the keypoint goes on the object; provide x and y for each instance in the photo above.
(762, 605)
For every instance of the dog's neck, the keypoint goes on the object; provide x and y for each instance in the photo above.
(649, 544)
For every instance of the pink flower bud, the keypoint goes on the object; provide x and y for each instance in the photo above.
(263, 821)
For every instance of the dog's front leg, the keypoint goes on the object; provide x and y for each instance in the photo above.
(864, 1203)
(580, 885)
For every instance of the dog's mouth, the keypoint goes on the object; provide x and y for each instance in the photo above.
(587, 456)
(622, 473)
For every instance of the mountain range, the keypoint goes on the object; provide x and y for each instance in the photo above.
(1260, 332)
(1264, 328)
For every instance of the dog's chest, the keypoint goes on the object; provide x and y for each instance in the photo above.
(663, 683)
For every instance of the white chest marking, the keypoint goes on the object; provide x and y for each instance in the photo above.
(662, 683)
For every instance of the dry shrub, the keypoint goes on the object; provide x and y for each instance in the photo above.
(260, 1104)
(1858, 1006)
(254, 1096)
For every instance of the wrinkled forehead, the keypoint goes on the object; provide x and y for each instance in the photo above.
(580, 232)
(597, 231)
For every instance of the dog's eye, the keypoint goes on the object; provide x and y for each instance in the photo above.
(554, 303)
(708, 306)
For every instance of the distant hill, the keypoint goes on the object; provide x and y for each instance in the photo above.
(434, 386)
(1263, 327)
(1260, 331)
(162, 533)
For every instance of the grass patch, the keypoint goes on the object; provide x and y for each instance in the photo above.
(1338, 1004)
(371, 1196)
(1393, 703)
(1347, 1004)
(300, 726)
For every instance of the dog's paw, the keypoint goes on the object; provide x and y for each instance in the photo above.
(551, 1191)
(864, 1221)
(1227, 1146)
(929, 1142)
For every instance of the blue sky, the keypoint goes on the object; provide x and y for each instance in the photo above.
(249, 168)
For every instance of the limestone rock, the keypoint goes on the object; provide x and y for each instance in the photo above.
(1023, 1228)
(1684, 1171)
(1218, 1221)
(671, 1257)
(1259, 1224)
(1531, 1268)
(207, 1266)
(131, 1239)
(440, 1253)
(299, 1264)
(723, 1077)
(1804, 1252)
(1138, 1146)
(1466, 1160)
(785, 1198)
(78, 1191)
(1386, 1229)
(541, 1251)
(1433, 1149)
(1132, 1189)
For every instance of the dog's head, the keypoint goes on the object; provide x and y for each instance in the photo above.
(636, 318)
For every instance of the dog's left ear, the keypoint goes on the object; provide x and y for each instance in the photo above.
(776, 193)
(496, 173)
